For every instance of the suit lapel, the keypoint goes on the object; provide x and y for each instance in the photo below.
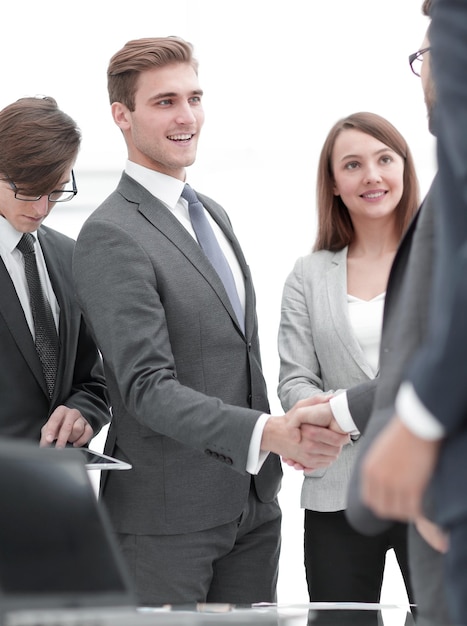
(162, 219)
(336, 284)
(13, 314)
(399, 262)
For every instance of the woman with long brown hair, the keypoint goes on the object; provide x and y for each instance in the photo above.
(329, 337)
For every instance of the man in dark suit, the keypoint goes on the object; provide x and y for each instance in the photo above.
(38, 147)
(427, 438)
(370, 405)
(197, 518)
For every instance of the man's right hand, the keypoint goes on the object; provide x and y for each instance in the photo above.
(306, 436)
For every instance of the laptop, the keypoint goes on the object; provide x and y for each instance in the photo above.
(59, 562)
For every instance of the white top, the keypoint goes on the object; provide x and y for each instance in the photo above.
(366, 320)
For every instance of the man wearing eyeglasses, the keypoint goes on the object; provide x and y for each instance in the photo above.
(430, 425)
(368, 407)
(52, 387)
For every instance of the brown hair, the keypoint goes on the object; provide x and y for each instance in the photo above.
(38, 142)
(335, 229)
(140, 55)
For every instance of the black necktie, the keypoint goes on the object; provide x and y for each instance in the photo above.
(208, 241)
(44, 325)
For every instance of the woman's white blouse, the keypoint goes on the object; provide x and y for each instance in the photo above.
(366, 320)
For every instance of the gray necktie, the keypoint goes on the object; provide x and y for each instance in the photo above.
(44, 325)
(208, 241)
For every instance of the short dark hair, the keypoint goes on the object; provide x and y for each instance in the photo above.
(335, 229)
(140, 55)
(38, 142)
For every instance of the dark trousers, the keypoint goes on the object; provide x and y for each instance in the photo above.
(456, 573)
(343, 565)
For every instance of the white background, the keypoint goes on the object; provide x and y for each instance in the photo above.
(276, 74)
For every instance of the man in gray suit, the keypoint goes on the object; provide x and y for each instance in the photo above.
(197, 518)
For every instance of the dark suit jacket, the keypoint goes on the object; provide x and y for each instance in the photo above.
(405, 323)
(439, 371)
(186, 385)
(24, 402)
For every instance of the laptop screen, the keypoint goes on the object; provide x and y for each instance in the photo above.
(56, 546)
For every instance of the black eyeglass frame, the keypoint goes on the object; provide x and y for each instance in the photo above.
(416, 55)
(53, 196)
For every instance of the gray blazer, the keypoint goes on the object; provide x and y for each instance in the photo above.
(320, 353)
(185, 383)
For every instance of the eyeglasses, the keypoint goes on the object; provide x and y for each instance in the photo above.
(57, 195)
(415, 60)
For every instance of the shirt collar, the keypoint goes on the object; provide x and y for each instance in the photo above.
(166, 188)
(9, 236)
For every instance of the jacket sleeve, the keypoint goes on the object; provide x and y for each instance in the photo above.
(89, 393)
(360, 401)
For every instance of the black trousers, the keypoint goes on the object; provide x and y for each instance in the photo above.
(343, 565)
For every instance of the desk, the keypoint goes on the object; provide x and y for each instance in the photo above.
(313, 614)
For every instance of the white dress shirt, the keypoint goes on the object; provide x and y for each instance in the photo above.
(415, 416)
(14, 263)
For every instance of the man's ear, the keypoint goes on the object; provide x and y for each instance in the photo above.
(121, 115)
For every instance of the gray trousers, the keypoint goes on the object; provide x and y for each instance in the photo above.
(235, 563)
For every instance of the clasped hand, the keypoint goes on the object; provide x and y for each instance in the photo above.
(307, 437)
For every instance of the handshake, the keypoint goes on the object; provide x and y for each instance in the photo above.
(307, 437)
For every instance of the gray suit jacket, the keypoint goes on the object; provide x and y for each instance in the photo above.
(24, 401)
(185, 383)
(320, 353)
(405, 325)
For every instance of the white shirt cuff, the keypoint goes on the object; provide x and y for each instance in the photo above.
(415, 415)
(256, 456)
(340, 409)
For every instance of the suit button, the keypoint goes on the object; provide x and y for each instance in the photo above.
(228, 460)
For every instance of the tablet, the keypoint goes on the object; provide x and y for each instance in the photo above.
(99, 461)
